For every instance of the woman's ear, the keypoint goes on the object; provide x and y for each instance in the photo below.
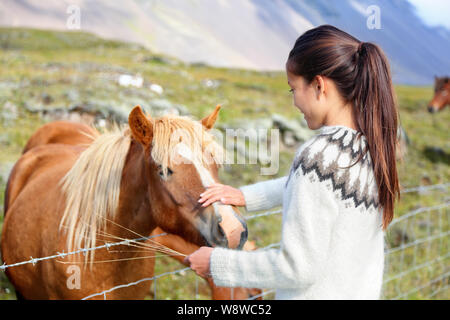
(141, 127)
(319, 85)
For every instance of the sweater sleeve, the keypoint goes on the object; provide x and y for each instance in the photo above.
(264, 195)
(306, 232)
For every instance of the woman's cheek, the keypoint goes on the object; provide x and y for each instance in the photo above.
(297, 103)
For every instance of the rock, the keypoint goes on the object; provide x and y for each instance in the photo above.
(127, 80)
(9, 113)
(255, 110)
(251, 128)
(88, 113)
(46, 98)
(289, 139)
(72, 95)
(156, 88)
(211, 83)
(244, 138)
(300, 132)
(251, 86)
(160, 60)
(94, 111)
(4, 139)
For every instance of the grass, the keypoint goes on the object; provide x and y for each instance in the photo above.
(49, 69)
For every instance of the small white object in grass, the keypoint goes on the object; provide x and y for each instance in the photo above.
(156, 88)
(127, 80)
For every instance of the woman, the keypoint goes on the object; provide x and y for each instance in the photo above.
(340, 193)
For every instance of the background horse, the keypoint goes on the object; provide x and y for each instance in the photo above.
(441, 94)
(122, 185)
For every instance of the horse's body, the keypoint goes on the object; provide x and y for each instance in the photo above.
(63, 132)
(35, 204)
(27, 233)
(47, 140)
(38, 156)
(441, 97)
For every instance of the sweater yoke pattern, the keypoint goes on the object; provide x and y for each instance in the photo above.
(332, 156)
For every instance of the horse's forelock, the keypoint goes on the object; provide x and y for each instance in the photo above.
(173, 134)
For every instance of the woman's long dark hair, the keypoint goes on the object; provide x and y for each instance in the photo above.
(361, 73)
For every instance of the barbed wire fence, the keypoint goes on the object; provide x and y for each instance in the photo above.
(416, 254)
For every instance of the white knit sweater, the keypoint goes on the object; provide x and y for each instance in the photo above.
(332, 242)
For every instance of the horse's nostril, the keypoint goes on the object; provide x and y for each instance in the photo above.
(221, 233)
(431, 109)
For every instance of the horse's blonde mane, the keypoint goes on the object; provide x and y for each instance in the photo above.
(92, 185)
(92, 188)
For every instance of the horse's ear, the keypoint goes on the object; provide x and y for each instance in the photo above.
(208, 121)
(141, 127)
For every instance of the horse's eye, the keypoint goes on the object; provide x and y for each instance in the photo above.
(161, 172)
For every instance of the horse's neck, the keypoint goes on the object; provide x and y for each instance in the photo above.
(134, 211)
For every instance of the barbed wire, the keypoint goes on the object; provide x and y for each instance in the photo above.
(435, 280)
(107, 245)
(157, 277)
(387, 252)
(103, 293)
(420, 189)
(264, 214)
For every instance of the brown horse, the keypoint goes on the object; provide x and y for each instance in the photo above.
(441, 94)
(73, 133)
(80, 196)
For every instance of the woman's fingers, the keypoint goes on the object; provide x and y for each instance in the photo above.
(212, 188)
(212, 199)
(211, 191)
(225, 194)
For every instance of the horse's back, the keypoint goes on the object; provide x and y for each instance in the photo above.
(41, 159)
(64, 132)
(53, 133)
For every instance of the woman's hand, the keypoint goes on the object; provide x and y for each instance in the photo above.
(223, 193)
(199, 261)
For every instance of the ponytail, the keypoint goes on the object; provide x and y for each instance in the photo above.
(376, 115)
(361, 73)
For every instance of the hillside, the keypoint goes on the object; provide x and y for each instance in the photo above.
(251, 34)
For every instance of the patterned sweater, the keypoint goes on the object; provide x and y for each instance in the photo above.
(332, 242)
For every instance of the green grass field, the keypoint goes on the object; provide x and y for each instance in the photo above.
(47, 69)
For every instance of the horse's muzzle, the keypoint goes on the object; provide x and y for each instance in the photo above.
(432, 109)
(227, 228)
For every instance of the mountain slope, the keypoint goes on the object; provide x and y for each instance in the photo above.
(255, 34)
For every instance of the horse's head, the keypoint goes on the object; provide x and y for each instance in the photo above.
(441, 94)
(182, 160)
